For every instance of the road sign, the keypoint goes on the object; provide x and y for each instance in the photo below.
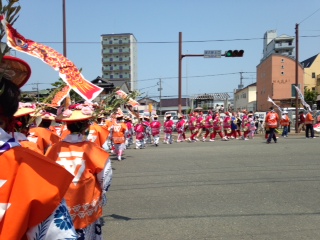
(212, 54)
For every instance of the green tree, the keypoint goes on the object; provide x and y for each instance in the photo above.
(310, 96)
(10, 11)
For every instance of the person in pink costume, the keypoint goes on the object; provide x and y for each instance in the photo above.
(208, 126)
(130, 130)
(217, 128)
(155, 126)
(146, 123)
(168, 129)
(245, 125)
(227, 125)
(139, 129)
(200, 125)
(180, 126)
(252, 128)
(193, 127)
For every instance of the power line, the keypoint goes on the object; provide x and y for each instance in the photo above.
(197, 76)
(309, 15)
(190, 41)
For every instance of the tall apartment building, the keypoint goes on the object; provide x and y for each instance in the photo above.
(283, 44)
(119, 58)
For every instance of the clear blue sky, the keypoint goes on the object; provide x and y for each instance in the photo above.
(156, 25)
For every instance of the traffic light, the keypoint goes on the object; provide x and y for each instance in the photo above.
(234, 53)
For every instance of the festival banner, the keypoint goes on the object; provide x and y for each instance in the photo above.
(69, 73)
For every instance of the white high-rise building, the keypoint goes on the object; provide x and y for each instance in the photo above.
(283, 44)
(119, 58)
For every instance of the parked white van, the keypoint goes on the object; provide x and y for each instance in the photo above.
(173, 113)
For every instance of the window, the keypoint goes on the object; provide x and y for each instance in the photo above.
(282, 73)
(282, 60)
(111, 76)
(111, 59)
(110, 50)
(282, 67)
(120, 59)
(120, 76)
(110, 42)
(313, 75)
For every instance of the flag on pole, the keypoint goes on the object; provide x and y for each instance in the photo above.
(306, 105)
(270, 100)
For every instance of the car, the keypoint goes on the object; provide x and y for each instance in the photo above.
(173, 113)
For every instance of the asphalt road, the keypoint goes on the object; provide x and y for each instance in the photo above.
(217, 190)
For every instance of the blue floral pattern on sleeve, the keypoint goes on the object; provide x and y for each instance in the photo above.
(58, 225)
(62, 218)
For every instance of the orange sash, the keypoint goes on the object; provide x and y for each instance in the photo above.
(32, 186)
(84, 196)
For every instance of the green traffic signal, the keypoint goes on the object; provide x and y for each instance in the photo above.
(234, 53)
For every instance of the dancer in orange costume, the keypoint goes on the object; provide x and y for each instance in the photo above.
(31, 194)
(91, 168)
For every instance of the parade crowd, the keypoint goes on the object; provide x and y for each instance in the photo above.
(56, 167)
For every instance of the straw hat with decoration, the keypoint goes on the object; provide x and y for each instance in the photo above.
(75, 113)
(15, 69)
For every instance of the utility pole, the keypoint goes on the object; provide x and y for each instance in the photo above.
(37, 88)
(297, 77)
(64, 28)
(159, 89)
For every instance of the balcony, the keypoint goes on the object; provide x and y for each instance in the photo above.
(116, 68)
(115, 51)
(115, 42)
(283, 45)
(124, 77)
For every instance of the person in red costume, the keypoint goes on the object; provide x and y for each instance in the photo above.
(217, 128)
(181, 128)
(208, 126)
(192, 124)
(155, 126)
(31, 194)
(168, 129)
(245, 125)
(227, 125)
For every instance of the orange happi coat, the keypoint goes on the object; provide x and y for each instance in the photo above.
(97, 134)
(43, 137)
(31, 187)
(118, 133)
(84, 160)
